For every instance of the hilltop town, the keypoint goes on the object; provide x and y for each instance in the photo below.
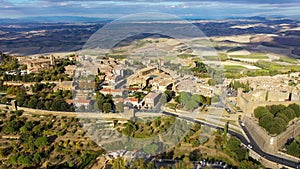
(144, 85)
(229, 100)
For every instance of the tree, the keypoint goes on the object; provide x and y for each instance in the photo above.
(260, 111)
(29, 144)
(266, 120)
(118, 163)
(280, 122)
(107, 107)
(32, 102)
(198, 98)
(233, 143)
(4, 152)
(41, 142)
(40, 105)
(24, 161)
(13, 159)
(294, 149)
(245, 164)
(151, 165)
(184, 97)
(208, 100)
(139, 164)
(37, 157)
(169, 94)
(120, 107)
(199, 68)
(12, 126)
(191, 105)
(20, 97)
(289, 113)
(129, 129)
(157, 122)
(296, 108)
(241, 153)
(47, 105)
(212, 82)
(275, 108)
(267, 96)
(163, 99)
(100, 101)
(180, 165)
(59, 105)
(196, 155)
(218, 140)
(225, 130)
(275, 128)
(282, 116)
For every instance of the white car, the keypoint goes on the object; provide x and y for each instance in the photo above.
(242, 124)
(249, 146)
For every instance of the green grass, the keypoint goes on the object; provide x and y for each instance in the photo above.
(185, 55)
(288, 59)
(235, 49)
(220, 57)
(277, 67)
(230, 68)
(114, 51)
(234, 71)
(205, 42)
(233, 75)
(251, 56)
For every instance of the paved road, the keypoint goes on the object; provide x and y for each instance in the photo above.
(253, 144)
(270, 157)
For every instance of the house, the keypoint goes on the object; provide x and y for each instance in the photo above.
(36, 64)
(113, 92)
(152, 99)
(133, 101)
(64, 85)
(118, 100)
(70, 69)
(79, 102)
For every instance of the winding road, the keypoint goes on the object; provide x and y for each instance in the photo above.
(253, 144)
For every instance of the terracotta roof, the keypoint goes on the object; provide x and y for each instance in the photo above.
(132, 99)
(111, 90)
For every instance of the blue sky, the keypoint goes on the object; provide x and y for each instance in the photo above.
(115, 9)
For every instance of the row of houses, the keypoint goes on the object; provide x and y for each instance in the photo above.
(149, 101)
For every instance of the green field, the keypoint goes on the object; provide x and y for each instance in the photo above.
(288, 59)
(234, 68)
(205, 42)
(277, 67)
(234, 71)
(185, 55)
(235, 49)
(220, 57)
(251, 56)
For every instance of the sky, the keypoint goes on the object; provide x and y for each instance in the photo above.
(201, 9)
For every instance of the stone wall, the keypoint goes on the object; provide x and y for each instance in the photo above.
(292, 131)
(260, 136)
(248, 106)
